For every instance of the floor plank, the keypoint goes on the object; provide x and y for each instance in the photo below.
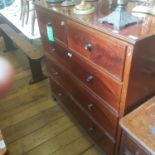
(36, 108)
(12, 133)
(34, 124)
(36, 138)
(72, 148)
(57, 142)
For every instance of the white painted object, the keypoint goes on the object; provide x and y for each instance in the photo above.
(12, 14)
(2, 144)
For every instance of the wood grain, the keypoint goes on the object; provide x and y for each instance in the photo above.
(34, 130)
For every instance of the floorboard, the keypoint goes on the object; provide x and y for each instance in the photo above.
(34, 124)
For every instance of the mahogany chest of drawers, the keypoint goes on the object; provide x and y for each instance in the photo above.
(97, 73)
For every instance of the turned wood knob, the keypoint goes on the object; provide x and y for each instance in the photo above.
(88, 47)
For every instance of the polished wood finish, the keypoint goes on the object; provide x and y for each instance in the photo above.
(102, 51)
(138, 126)
(57, 22)
(95, 63)
(105, 87)
(92, 129)
(100, 111)
(142, 74)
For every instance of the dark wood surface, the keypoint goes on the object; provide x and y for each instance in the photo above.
(100, 83)
(139, 30)
(91, 128)
(130, 147)
(100, 112)
(95, 63)
(104, 51)
(139, 126)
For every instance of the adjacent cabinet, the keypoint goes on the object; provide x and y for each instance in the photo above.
(139, 130)
(99, 74)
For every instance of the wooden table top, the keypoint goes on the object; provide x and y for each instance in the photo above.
(131, 33)
(140, 125)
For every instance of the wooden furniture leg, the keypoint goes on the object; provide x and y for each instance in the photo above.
(35, 66)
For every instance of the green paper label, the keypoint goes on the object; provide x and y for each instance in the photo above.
(50, 33)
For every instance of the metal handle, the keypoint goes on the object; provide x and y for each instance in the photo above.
(88, 47)
(62, 23)
(90, 106)
(89, 78)
(69, 55)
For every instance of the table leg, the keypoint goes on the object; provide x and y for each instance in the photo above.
(36, 70)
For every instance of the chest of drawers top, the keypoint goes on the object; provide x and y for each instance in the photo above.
(130, 34)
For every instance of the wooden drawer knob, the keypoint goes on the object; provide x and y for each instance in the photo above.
(90, 107)
(89, 78)
(88, 47)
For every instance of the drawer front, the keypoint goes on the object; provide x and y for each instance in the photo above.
(132, 148)
(100, 83)
(91, 128)
(57, 22)
(106, 52)
(97, 109)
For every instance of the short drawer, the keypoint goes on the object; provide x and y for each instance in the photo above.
(97, 109)
(57, 22)
(91, 128)
(130, 147)
(106, 52)
(104, 86)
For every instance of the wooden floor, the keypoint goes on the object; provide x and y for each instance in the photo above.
(33, 124)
